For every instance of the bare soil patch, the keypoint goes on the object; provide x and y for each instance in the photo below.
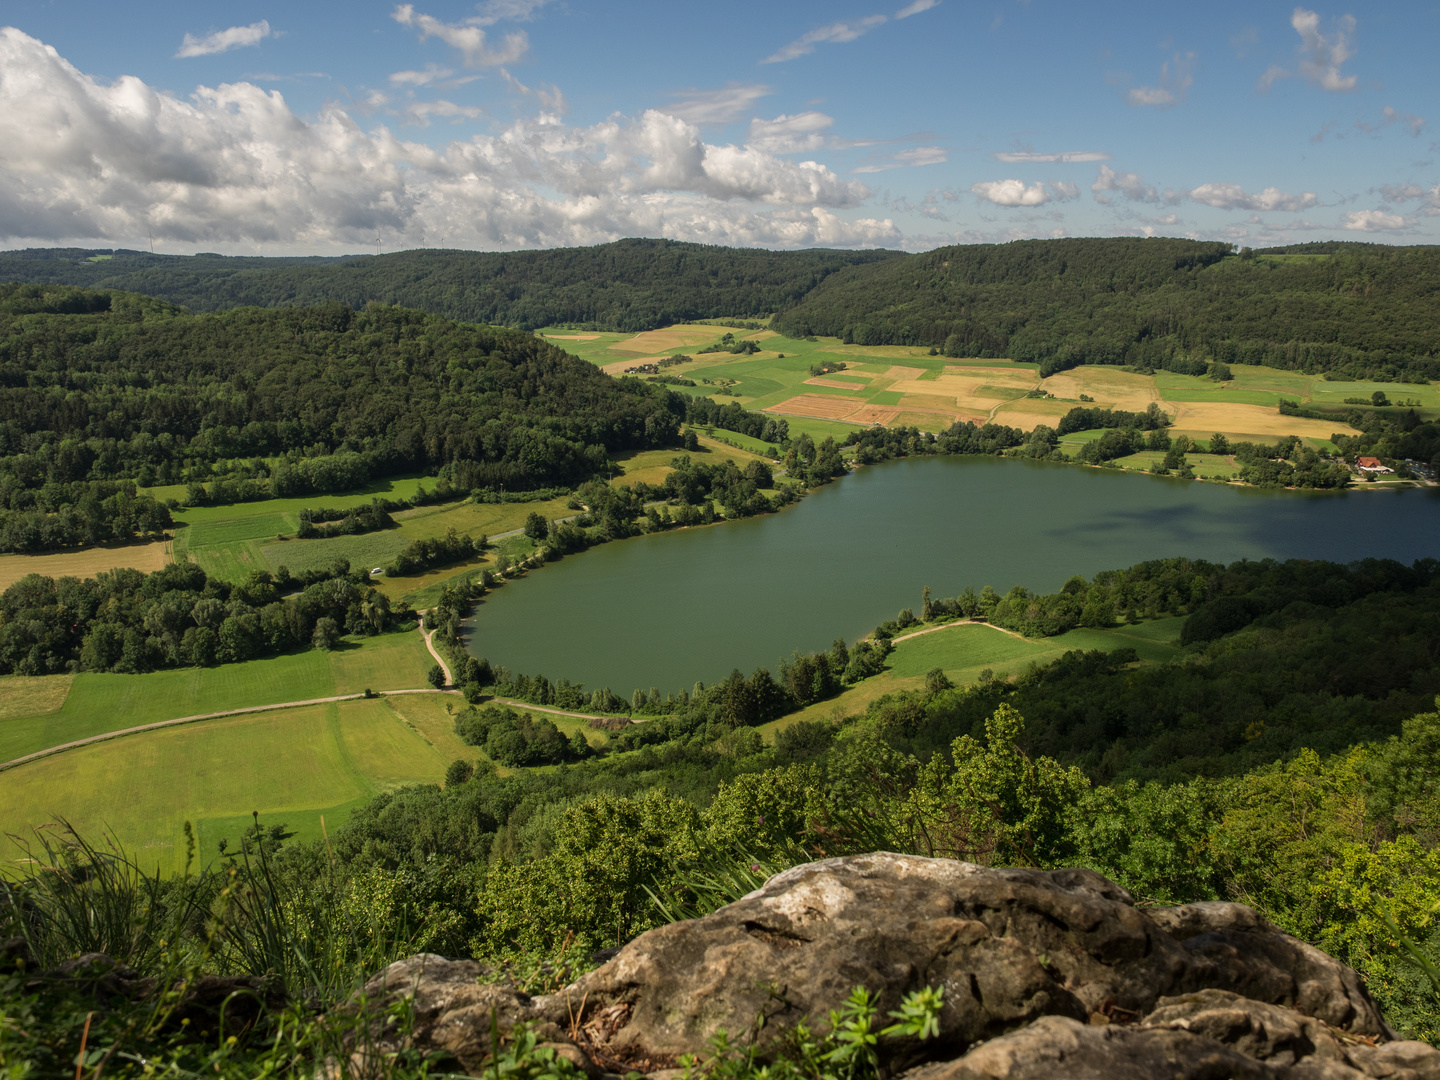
(87, 563)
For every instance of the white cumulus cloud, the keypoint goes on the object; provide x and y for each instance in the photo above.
(1176, 78)
(1321, 56)
(1374, 221)
(224, 40)
(468, 37)
(1234, 197)
(86, 160)
(1129, 185)
(1019, 193)
(801, 133)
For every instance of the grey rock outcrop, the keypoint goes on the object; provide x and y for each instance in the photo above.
(1044, 974)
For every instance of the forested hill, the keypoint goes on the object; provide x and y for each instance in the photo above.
(1358, 309)
(629, 285)
(100, 384)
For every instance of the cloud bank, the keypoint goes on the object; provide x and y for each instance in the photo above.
(233, 164)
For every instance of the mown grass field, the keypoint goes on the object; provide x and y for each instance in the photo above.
(293, 766)
(58, 709)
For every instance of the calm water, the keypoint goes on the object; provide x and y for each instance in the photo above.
(669, 609)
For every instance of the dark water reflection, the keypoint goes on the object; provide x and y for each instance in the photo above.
(667, 610)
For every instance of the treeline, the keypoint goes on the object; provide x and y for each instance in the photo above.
(424, 553)
(128, 621)
(77, 513)
(131, 388)
(1361, 311)
(703, 412)
(629, 285)
(516, 741)
(326, 522)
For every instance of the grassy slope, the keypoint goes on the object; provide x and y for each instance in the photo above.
(292, 766)
(963, 650)
(101, 702)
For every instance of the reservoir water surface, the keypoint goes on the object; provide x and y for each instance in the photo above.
(669, 609)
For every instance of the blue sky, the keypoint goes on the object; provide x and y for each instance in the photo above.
(318, 127)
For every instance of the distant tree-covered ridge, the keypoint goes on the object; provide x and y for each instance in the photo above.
(106, 385)
(629, 285)
(1362, 310)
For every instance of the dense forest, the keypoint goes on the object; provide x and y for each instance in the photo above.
(128, 621)
(629, 285)
(1360, 310)
(130, 387)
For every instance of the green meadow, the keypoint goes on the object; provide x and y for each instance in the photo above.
(964, 650)
(293, 766)
(93, 703)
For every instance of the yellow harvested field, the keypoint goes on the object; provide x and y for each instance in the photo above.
(617, 368)
(87, 563)
(1256, 420)
(816, 406)
(1019, 376)
(1110, 389)
(669, 340)
(929, 403)
(874, 414)
(904, 374)
(931, 421)
(33, 695)
(1028, 413)
(836, 383)
(571, 337)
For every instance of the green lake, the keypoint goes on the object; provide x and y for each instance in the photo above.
(692, 604)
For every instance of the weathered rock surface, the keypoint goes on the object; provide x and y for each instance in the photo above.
(1044, 974)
